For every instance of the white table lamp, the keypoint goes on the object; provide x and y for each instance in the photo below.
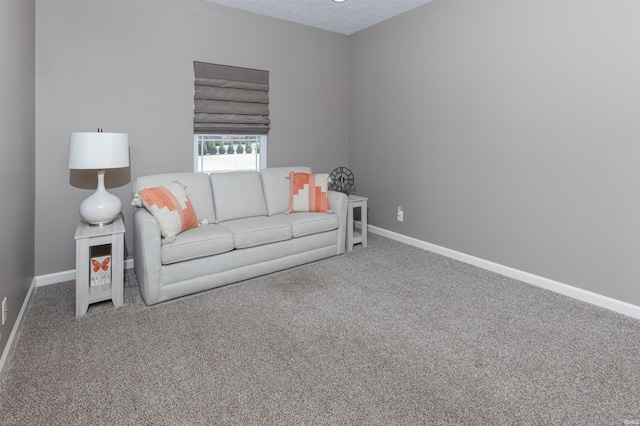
(100, 151)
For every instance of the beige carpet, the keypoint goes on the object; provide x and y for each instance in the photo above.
(389, 334)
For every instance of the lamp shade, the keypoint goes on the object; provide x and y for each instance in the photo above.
(98, 150)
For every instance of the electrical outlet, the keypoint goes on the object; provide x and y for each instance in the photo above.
(5, 310)
(400, 216)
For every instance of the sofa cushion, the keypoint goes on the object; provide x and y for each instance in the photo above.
(276, 184)
(308, 192)
(198, 242)
(255, 231)
(309, 223)
(197, 187)
(237, 195)
(171, 207)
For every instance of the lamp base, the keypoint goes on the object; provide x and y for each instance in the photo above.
(98, 225)
(101, 208)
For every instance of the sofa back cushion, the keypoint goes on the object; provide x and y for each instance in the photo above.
(237, 195)
(276, 186)
(196, 185)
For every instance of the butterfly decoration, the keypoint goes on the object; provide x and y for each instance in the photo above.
(97, 266)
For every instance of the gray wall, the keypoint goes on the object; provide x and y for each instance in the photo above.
(509, 131)
(126, 66)
(17, 146)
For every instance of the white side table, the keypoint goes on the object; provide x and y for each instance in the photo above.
(90, 236)
(354, 237)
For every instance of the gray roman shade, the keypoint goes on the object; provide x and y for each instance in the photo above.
(230, 100)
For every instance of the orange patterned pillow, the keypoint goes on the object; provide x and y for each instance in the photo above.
(308, 192)
(171, 206)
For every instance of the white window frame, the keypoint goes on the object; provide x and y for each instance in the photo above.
(198, 161)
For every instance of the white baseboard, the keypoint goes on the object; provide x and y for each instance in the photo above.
(16, 327)
(558, 287)
(58, 277)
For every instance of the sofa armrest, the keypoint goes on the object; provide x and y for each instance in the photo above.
(338, 203)
(147, 254)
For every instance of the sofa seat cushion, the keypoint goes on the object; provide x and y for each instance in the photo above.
(198, 242)
(255, 231)
(309, 223)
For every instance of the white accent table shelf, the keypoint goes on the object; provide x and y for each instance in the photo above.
(353, 236)
(90, 236)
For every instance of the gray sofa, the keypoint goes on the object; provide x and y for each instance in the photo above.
(248, 234)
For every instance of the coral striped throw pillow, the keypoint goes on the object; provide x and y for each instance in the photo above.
(308, 192)
(171, 206)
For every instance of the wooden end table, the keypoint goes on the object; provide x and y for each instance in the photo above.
(88, 236)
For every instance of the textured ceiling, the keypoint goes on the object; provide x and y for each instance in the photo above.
(344, 18)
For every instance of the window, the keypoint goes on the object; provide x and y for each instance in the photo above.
(224, 153)
(231, 117)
